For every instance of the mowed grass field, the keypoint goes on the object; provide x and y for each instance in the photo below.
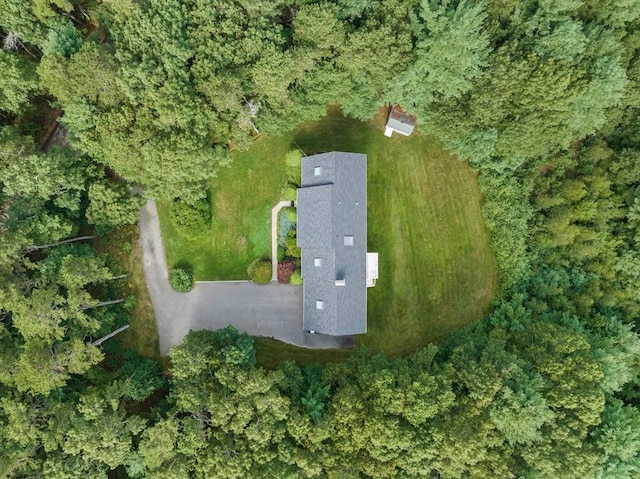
(241, 198)
(437, 269)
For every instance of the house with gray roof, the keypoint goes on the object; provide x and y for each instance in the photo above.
(332, 236)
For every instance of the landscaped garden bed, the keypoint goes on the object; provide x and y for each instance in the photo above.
(288, 251)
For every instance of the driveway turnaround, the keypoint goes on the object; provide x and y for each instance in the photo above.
(272, 311)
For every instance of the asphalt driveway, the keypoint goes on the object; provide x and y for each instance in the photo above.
(272, 311)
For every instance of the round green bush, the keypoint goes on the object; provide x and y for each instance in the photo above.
(291, 247)
(260, 271)
(296, 278)
(181, 279)
(290, 192)
(192, 220)
(292, 214)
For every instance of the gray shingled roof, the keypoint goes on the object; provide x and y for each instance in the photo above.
(400, 126)
(333, 205)
(401, 121)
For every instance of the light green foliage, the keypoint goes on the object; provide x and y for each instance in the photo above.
(292, 214)
(296, 278)
(451, 50)
(616, 13)
(317, 29)
(19, 18)
(46, 9)
(619, 439)
(112, 205)
(17, 82)
(191, 219)
(617, 349)
(159, 444)
(259, 271)
(51, 329)
(90, 75)
(290, 192)
(42, 194)
(367, 58)
(552, 80)
(44, 176)
(214, 378)
(509, 226)
(291, 244)
(78, 271)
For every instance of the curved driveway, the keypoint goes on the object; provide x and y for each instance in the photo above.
(273, 310)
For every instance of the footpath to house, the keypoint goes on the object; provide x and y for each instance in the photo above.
(272, 311)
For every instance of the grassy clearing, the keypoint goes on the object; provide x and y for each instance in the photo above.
(270, 353)
(241, 200)
(437, 270)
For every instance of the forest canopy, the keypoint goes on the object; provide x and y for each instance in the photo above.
(541, 97)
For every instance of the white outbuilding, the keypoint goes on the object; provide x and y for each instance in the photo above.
(399, 122)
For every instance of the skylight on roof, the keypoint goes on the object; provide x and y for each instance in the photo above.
(317, 171)
(319, 304)
(317, 262)
(348, 240)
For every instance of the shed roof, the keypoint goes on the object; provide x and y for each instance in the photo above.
(332, 227)
(400, 121)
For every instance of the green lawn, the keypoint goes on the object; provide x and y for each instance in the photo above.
(437, 270)
(241, 198)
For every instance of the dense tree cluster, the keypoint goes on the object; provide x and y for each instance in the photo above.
(541, 97)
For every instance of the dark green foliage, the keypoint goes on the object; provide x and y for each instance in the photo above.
(293, 161)
(64, 40)
(259, 271)
(181, 279)
(192, 219)
(142, 375)
(317, 393)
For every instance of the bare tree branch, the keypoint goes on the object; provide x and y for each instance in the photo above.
(98, 342)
